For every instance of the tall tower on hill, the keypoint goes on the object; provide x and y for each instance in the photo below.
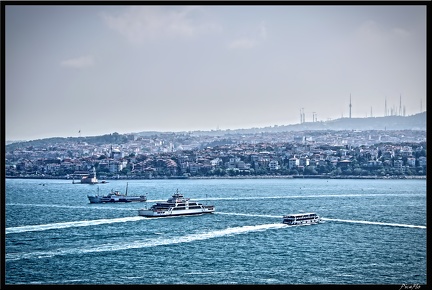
(385, 107)
(350, 107)
(400, 105)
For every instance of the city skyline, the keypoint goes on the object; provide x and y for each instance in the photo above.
(129, 69)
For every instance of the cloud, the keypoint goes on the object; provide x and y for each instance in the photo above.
(139, 23)
(79, 62)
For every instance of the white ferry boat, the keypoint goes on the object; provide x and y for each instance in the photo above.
(116, 196)
(176, 205)
(301, 219)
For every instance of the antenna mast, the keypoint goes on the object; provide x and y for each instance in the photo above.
(350, 107)
(385, 107)
(400, 105)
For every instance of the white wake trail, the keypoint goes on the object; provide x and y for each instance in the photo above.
(89, 206)
(308, 196)
(64, 225)
(375, 223)
(146, 243)
(328, 219)
(248, 214)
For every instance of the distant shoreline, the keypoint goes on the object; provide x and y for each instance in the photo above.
(241, 177)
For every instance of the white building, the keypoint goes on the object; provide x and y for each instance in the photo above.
(274, 165)
(304, 161)
(116, 166)
(422, 161)
(411, 161)
(398, 164)
(116, 154)
(293, 162)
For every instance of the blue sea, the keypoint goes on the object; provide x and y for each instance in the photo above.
(374, 232)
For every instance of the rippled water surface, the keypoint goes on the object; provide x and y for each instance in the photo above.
(374, 233)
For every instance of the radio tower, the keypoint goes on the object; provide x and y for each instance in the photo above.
(400, 105)
(350, 107)
(385, 107)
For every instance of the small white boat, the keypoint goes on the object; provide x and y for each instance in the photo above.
(177, 205)
(301, 219)
(116, 196)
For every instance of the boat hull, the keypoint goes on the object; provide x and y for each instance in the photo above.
(150, 213)
(98, 199)
(303, 223)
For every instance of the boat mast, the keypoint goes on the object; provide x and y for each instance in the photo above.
(126, 188)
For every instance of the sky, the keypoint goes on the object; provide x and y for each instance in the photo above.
(92, 70)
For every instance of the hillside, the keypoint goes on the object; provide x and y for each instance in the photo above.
(413, 122)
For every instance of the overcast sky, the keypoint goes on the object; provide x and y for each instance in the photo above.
(105, 69)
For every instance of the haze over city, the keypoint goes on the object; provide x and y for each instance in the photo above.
(94, 70)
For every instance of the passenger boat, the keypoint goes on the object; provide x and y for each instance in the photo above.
(176, 205)
(301, 219)
(116, 196)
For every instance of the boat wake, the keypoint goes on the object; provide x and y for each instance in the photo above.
(84, 223)
(148, 243)
(328, 219)
(308, 196)
(248, 214)
(89, 206)
(33, 228)
(374, 223)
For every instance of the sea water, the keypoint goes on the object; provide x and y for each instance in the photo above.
(374, 232)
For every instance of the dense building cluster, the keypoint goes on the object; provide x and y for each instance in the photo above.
(221, 154)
